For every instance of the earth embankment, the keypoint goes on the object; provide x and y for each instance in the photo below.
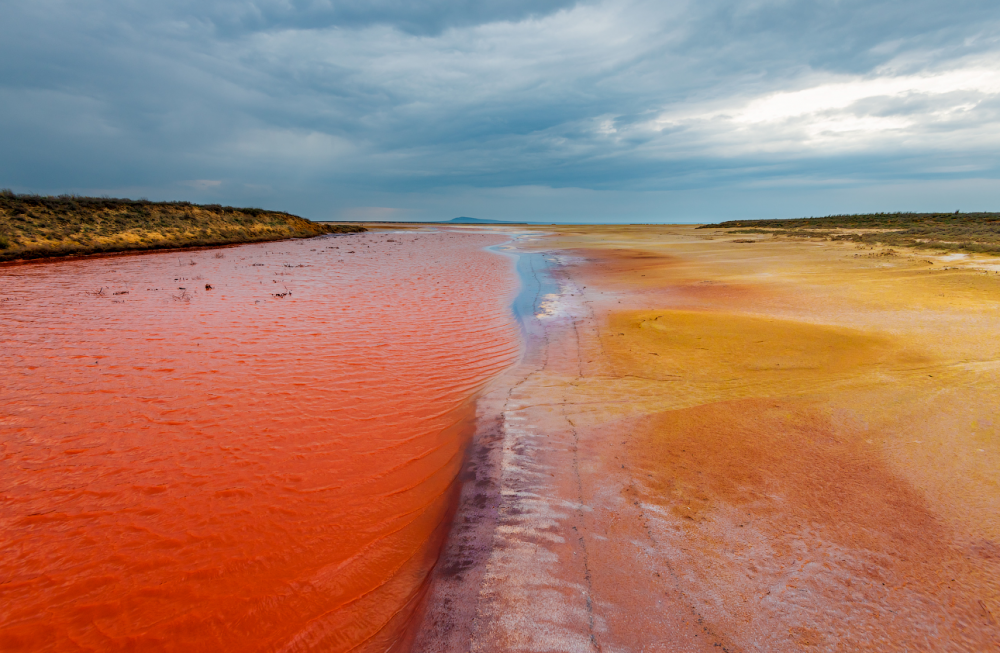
(33, 226)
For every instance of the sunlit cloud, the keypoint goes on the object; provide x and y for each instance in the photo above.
(841, 95)
(849, 113)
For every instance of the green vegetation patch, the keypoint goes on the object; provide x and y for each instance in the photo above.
(35, 226)
(975, 232)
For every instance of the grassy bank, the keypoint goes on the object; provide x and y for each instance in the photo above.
(974, 232)
(33, 226)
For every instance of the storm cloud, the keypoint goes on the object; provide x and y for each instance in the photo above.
(620, 111)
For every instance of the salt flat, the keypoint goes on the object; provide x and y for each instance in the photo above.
(752, 446)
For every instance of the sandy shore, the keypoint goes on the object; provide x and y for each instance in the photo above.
(768, 446)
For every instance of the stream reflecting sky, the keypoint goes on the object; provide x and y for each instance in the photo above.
(553, 110)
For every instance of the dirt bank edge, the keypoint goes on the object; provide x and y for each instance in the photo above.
(39, 227)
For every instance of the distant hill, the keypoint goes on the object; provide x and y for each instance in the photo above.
(465, 220)
(34, 226)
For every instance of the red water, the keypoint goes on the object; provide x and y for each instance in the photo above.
(187, 469)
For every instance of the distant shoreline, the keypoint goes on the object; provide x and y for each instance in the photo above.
(973, 232)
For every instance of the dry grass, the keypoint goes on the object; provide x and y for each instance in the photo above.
(33, 226)
(974, 232)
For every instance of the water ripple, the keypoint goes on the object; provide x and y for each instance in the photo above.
(245, 449)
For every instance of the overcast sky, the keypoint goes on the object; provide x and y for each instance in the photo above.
(617, 111)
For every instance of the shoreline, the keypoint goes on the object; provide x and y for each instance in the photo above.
(446, 619)
(76, 256)
(632, 487)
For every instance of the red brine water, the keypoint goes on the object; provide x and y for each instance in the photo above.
(249, 449)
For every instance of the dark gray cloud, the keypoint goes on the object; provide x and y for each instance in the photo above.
(329, 107)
